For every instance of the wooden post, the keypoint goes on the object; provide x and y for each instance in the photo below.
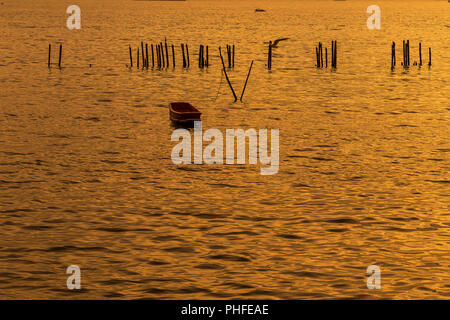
(167, 53)
(317, 57)
(404, 54)
(332, 53)
(429, 56)
(200, 56)
(159, 57)
(49, 54)
(131, 56)
(187, 55)
(226, 75)
(203, 56)
(137, 57)
(393, 52)
(246, 80)
(143, 55)
(153, 58)
(173, 56)
(407, 52)
(269, 59)
(207, 57)
(60, 56)
(184, 58)
(392, 56)
(233, 55)
(326, 57)
(146, 55)
(420, 53)
(321, 54)
(161, 48)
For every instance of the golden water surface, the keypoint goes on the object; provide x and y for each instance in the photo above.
(86, 176)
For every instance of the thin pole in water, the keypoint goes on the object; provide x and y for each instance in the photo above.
(246, 80)
(131, 57)
(60, 56)
(49, 54)
(226, 75)
(173, 56)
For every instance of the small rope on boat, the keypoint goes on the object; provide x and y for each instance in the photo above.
(220, 85)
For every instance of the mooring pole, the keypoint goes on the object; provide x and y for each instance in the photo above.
(226, 76)
(269, 58)
(60, 56)
(49, 54)
(246, 80)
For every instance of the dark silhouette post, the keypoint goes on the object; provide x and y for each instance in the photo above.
(49, 54)
(429, 57)
(173, 56)
(167, 53)
(187, 55)
(131, 56)
(184, 58)
(60, 55)
(420, 53)
(269, 59)
(246, 80)
(153, 57)
(226, 76)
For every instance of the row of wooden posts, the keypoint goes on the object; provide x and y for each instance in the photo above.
(160, 56)
(50, 56)
(319, 55)
(407, 56)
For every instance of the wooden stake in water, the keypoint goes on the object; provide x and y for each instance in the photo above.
(321, 54)
(60, 56)
(173, 56)
(269, 58)
(393, 52)
(233, 56)
(146, 55)
(226, 76)
(131, 57)
(137, 57)
(49, 54)
(429, 56)
(420, 53)
(407, 53)
(326, 57)
(207, 57)
(246, 80)
(167, 53)
(184, 58)
(187, 55)
(392, 56)
(153, 58)
(143, 55)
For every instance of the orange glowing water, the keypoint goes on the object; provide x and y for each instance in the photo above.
(86, 176)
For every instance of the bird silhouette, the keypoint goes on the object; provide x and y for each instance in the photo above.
(275, 43)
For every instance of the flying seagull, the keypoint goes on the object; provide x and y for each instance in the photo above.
(275, 43)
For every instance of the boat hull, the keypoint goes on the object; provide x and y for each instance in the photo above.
(183, 113)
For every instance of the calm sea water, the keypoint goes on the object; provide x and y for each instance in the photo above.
(86, 176)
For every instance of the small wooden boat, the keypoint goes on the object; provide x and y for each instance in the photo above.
(183, 113)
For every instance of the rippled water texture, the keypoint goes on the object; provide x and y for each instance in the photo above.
(86, 176)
